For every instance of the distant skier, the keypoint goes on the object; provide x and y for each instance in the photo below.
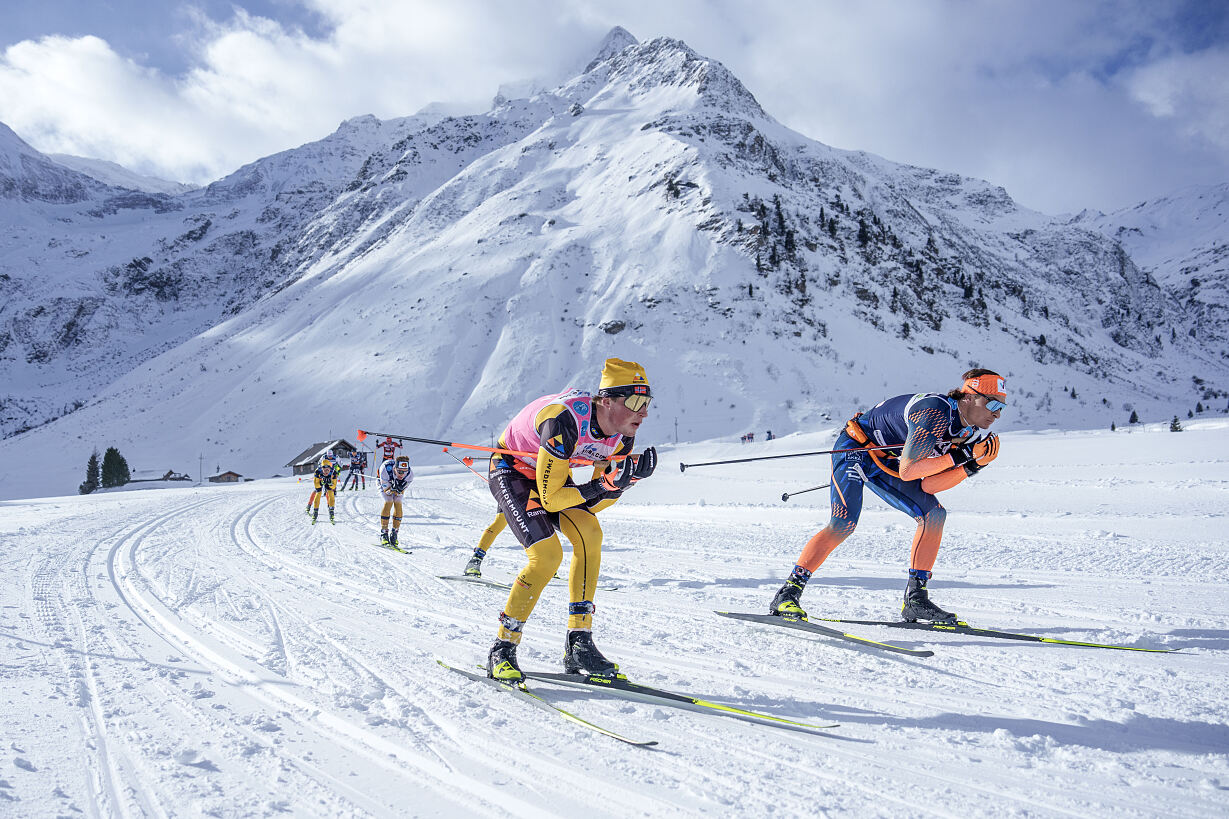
(358, 470)
(326, 476)
(538, 499)
(938, 440)
(395, 475)
(389, 447)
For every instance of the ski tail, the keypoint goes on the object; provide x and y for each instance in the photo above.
(799, 624)
(961, 627)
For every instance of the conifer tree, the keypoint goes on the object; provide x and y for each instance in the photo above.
(1174, 426)
(92, 475)
(1134, 417)
(114, 469)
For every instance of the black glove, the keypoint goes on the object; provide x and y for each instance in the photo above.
(612, 482)
(962, 457)
(645, 464)
(619, 475)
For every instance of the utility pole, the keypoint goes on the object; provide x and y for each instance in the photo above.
(200, 468)
(676, 429)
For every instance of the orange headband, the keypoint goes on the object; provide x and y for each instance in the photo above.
(988, 384)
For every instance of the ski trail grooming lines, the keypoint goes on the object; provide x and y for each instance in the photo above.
(620, 686)
(960, 627)
(813, 628)
(521, 692)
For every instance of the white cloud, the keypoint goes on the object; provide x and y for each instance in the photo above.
(1190, 89)
(1065, 104)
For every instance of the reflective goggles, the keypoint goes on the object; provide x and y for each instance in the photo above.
(636, 403)
(992, 404)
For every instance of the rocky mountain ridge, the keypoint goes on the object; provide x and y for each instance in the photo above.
(442, 268)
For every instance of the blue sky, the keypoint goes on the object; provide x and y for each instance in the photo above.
(1095, 103)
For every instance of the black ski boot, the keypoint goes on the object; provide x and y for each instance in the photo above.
(331, 520)
(917, 605)
(785, 603)
(392, 539)
(384, 538)
(474, 567)
(580, 656)
(315, 514)
(501, 662)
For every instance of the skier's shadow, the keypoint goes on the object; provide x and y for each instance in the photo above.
(1137, 732)
(1213, 638)
(894, 584)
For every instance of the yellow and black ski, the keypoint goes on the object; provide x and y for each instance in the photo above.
(620, 686)
(961, 627)
(482, 581)
(520, 691)
(785, 621)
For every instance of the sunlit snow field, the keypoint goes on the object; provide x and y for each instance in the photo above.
(206, 651)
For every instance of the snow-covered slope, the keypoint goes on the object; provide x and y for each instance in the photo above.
(1182, 240)
(97, 279)
(207, 652)
(118, 176)
(429, 276)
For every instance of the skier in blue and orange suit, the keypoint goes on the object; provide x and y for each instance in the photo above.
(539, 499)
(936, 441)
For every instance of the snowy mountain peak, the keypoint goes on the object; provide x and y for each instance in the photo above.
(665, 63)
(617, 39)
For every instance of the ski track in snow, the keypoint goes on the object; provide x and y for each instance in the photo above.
(207, 650)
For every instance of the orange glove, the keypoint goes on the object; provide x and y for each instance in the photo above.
(986, 451)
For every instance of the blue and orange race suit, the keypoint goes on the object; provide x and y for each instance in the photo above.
(919, 429)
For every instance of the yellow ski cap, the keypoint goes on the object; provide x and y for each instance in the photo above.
(621, 377)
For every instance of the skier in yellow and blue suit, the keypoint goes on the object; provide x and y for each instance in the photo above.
(326, 476)
(539, 499)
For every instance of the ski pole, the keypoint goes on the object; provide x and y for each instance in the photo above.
(683, 467)
(787, 495)
(468, 463)
(363, 433)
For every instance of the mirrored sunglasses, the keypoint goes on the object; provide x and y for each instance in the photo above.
(992, 404)
(635, 403)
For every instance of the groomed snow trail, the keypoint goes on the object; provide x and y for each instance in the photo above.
(207, 651)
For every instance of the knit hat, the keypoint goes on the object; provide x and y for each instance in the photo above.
(621, 377)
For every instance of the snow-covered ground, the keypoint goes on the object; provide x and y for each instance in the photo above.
(205, 651)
